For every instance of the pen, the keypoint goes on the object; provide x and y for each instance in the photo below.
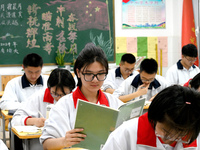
(40, 114)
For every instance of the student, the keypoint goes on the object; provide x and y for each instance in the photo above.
(145, 84)
(116, 76)
(184, 69)
(20, 88)
(2, 145)
(172, 123)
(91, 68)
(194, 82)
(60, 83)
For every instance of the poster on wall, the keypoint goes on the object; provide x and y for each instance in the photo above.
(143, 14)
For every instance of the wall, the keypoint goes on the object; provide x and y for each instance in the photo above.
(172, 31)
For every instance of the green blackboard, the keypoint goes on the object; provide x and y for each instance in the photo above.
(45, 26)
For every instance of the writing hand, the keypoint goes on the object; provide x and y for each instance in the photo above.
(40, 122)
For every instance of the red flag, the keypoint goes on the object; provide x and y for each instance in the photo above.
(188, 25)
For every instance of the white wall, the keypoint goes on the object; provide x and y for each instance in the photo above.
(172, 31)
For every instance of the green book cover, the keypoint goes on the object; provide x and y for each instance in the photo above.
(99, 121)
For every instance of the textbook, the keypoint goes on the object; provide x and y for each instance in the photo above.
(99, 121)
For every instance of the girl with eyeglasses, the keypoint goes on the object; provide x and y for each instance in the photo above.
(91, 68)
(171, 123)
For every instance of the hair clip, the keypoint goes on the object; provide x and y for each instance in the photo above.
(188, 102)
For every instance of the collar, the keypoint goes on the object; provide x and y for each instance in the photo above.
(180, 66)
(118, 73)
(26, 83)
(146, 133)
(47, 96)
(137, 81)
(77, 94)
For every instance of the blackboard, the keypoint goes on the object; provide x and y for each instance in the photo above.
(45, 26)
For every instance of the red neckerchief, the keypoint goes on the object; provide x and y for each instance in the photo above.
(187, 83)
(146, 133)
(47, 96)
(77, 94)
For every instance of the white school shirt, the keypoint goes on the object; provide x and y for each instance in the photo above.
(114, 79)
(177, 74)
(19, 90)
(30, 108)
(125, 137)
(2, 145)
(62, 116)
(131, 84)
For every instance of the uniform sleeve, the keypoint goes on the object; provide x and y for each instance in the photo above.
(58, 123)
(9, 99)
(29, 108)
(171, 76)
(2, 145)
(108, 83)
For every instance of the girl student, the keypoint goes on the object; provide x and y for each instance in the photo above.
(171, 123)
(91, 68)
(33, 111)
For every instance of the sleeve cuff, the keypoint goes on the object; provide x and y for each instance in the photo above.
(26, 120)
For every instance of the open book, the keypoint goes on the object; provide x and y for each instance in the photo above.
(99, 121)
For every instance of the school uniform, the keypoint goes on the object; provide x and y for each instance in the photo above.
(138, 134)
(131, 84)
(30, 108)
(19, 89)
(178, 74)
(63, 115)
(114, 79)
(2, 145)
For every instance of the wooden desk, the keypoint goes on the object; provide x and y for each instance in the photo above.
(26, 136)
(5, 117)
(1, 93)
(73, 149)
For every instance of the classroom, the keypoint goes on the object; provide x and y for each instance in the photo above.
(162, 43)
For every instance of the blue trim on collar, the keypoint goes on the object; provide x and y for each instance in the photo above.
(26, 83)
(137, 82)
(118, 73)
(180, 66)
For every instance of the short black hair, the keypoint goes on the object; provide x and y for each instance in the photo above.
(89, 55)
(33, 60)
(177, 107)
(150, 66)
(61, 78)
(189, 50)
(195, 82)
(129, 58)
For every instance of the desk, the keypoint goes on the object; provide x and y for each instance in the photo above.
(1, 93)
(5, 117)
(26, 136)
(73, 149)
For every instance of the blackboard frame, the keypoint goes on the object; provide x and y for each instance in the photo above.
(6, 63)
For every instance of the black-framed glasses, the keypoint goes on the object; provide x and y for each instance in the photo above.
(90, 76)
(127, 70)
(190, 61)
(57, 95)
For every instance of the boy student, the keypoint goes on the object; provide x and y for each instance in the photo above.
(171, 123)
(20, 88)
(91, 68)
(194, 82)
(60, 83)
(145, 84)
(184, 69)
(116, 76)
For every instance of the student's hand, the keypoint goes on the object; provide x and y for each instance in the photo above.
(40, 122)
(72, 137)
(143, 89)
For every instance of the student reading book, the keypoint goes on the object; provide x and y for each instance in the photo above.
(91, 68)
(98, 121)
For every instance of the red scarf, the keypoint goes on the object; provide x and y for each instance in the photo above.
(77, 94)
(47, 96)
(146, 133)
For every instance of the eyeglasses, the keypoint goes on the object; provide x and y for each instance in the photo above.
(57, 95)
(191, 61)
(90, 76)
(127, 70)
(144, 80)
(178, 139)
